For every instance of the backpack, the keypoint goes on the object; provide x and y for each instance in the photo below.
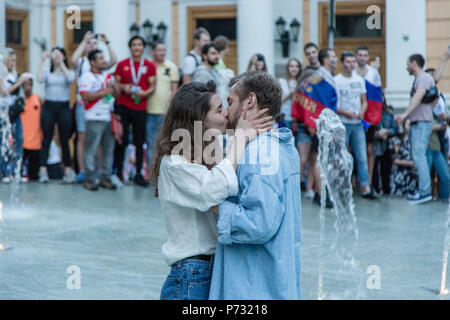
(180, 82)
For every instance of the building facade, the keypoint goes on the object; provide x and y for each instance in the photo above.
(398, 29)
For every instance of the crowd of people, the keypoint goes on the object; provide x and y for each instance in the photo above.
(403, 155)
(106, 138)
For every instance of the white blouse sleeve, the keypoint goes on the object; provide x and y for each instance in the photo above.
(193, 185)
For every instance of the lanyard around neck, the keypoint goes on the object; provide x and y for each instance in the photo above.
(136, 78)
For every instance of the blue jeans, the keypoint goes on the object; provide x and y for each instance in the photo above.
(356, 138)
(437, 161)
(419, 134)
(189, 279)
(154, 123)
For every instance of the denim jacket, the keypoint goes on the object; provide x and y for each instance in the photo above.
(258, 253)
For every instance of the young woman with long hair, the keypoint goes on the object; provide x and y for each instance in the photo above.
(288, 86)
(56, 109)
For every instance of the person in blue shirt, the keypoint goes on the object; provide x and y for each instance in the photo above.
(258, 250)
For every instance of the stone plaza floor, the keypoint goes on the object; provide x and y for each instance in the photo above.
(115, 239)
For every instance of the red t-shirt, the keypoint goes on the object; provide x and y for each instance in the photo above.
(123, 70)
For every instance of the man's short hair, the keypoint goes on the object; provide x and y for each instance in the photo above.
(92, 55)
(418, 58)
(134, 38)
(323, 54)
(222, 42)
(263, 85)
(309, 45)
(198, 33)
(155, 44)
(346, 54)
(361, 47)
(208, 46)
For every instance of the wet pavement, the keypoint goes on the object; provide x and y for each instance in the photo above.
(114, 239)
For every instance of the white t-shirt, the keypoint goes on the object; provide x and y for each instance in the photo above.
(83, 66)
(286, 107)
(372, 75)
(349, 95)
(100, 109)
(191, 63)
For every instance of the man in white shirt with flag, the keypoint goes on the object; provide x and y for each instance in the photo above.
(97, 89)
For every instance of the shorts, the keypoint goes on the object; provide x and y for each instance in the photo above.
(302, 136)
(80, 118)
(370, 134)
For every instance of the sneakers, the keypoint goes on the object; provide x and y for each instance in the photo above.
(24, 180)
(309, 194)
(43, 176)
(69, 176)
(328, 202)
(115, 180)
(419, 199)
(80, 177)
(107, 184)
(370, 195)
(140, 181)
(6, 180)
(91, 186)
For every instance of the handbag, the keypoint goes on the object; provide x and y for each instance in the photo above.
(430, 96)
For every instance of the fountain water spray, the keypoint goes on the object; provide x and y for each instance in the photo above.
(1, 221)
(336, 166)
(443, 290)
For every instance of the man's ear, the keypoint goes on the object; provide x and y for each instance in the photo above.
(252, 101)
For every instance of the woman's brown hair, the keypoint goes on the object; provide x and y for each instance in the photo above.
(191, 103)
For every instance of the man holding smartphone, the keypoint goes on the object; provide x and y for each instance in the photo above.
(81, 63)
(136, 77)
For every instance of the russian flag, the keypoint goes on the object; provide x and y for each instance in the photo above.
(374, 110)
(312, 97)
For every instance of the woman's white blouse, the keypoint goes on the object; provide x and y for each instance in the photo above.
(186, 193)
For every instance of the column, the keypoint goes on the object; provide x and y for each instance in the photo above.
(405, 35)
(112, 18)
(255, 32)
(2, 24)
(40, 30)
